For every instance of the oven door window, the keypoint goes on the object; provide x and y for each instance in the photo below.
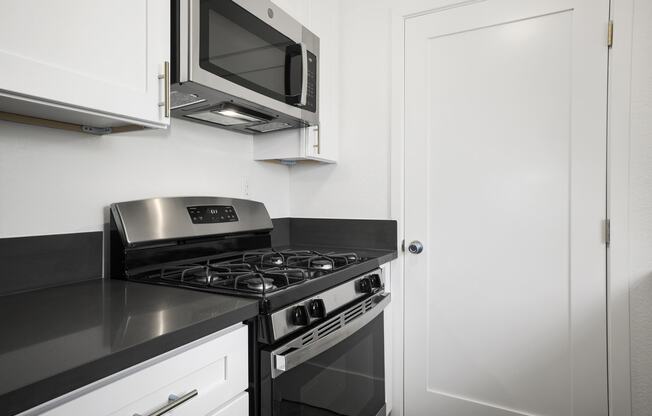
(239, 47)
(347, 379)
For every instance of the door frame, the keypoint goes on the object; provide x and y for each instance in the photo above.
(618, 138)
(618, 196)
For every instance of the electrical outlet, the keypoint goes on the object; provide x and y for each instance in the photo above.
(245, 186)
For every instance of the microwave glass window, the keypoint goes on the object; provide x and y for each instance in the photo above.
(239, 47)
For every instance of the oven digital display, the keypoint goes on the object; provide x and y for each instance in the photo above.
(212, 214)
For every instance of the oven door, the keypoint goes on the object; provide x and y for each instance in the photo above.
(253, 50)
(335, 368)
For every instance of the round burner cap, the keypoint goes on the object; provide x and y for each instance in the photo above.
(260, 284)
(321, 264)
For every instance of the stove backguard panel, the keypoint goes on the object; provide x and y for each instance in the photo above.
(155, 221)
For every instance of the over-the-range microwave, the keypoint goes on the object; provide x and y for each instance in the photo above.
(243, 65)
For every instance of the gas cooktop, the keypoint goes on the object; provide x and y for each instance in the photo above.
(254, 273)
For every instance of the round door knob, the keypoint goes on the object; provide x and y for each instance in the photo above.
(415, 247)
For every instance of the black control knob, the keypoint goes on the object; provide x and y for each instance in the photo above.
(300, 315)
(365, 285)
(376, 283)
(317, 308)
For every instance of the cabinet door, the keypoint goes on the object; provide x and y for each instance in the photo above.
(102, 57)
(322, 142)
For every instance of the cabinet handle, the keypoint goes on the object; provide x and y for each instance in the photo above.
(318, 145)
(166, 81)
(173, 402)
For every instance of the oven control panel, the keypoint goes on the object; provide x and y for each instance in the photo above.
(311, 310)
(212, 214)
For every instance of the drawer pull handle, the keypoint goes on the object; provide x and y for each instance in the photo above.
(173, 402)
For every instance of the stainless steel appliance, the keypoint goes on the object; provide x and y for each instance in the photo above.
(317, 345)
(243, 65)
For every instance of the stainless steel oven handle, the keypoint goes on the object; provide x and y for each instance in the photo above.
(293, 354)
(304, 75)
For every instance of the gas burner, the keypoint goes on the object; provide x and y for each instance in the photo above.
(276, 260)
(260, 284)
(310, 260)
(321, 264)
(196, 274)
(350, 257)
(263, 258)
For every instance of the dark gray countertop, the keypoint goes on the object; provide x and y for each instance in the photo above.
(59, 339)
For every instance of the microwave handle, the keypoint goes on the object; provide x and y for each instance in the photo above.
(298, 49)
(292, 354)
(303, 101)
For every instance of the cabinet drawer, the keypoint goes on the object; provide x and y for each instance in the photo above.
(216, 368)
(238, 407)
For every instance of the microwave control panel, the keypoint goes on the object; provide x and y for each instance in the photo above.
(212, 214)
(311, 102)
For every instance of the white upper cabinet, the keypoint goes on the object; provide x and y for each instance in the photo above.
(319, 143)
(322, 145)
(85, 62)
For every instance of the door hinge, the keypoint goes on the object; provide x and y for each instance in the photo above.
(607, 231)
(403, 245)
(610, 34)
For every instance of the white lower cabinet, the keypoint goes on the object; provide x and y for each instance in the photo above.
(215, 367)
(236, 407)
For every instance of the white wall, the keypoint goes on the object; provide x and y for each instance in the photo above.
(640, 215)
(54, 181)
(358, 186)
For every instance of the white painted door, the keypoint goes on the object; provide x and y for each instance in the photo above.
(102, 57)
(505, 113)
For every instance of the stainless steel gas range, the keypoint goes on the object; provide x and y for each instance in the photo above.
(317, 346)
